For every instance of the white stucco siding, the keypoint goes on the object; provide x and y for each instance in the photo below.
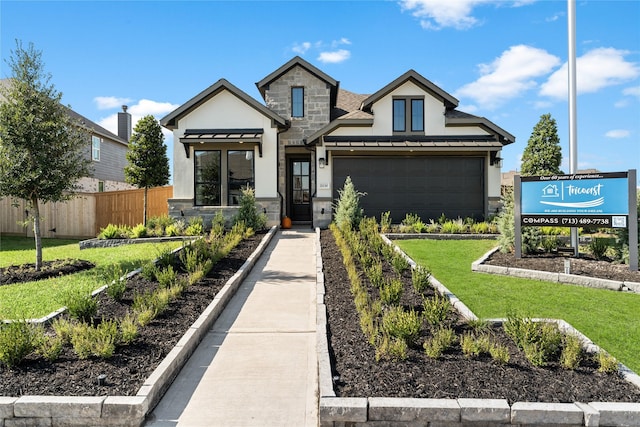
(226, 111)
(433, 111)
(494, 179)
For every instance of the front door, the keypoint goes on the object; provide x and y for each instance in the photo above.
(300, 189)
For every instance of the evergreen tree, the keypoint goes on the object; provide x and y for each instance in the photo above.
(542, 156)
(42, 149)
(148, 162)
(348, 212)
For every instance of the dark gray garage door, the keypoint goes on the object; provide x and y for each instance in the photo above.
(427, 186)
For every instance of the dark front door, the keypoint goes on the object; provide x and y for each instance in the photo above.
(300, 189)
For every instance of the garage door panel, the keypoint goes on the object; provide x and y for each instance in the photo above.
(427, 186)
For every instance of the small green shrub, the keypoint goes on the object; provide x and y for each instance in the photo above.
(499, 353)
(50, 347)
(391, 292)
(149, 271)
(453, 227)
(17, 340)
(479, 325)
(571, 355)
(540, 341)
(385, 222)
(375, 274)
(172, 230)
(116, 280)
(112, 231)
(607, 363)
(402, 324)
(248, 211)
(195, 227)
(98, 341)
(128, 327)
(347, 210)
(80, 305)
(138, 232)
(598, 247)
(442, 339)
(436, 309)
(391, 348)
(420, 278)
(166, 257)
(166, 277)
(399, 263)
(550, 243)
(471, 346)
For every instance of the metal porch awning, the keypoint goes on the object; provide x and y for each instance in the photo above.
(200, 136)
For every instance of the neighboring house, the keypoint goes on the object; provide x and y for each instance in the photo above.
(405, 146)
(107, 152)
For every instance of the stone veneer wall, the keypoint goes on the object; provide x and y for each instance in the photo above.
(317, 112)
(184, 209)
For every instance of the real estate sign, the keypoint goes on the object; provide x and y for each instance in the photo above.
(579, 200)
(606, 200)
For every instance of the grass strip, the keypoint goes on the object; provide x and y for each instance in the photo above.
(607, 317)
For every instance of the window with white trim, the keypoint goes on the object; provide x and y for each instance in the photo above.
(95, 148)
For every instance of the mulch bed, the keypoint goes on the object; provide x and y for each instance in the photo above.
(27, 272)
(131, 365)
(357, 374)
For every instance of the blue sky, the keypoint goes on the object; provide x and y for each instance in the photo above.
(503, 60)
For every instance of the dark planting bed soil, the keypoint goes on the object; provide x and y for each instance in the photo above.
(357, 374)
(28, 273)
(131, 365)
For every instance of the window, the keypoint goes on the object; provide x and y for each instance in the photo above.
(297, 102)
(100, 186)
(207, 178)
(95, 148)
(408, 113)
(240, 174)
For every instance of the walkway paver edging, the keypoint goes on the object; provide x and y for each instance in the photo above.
(125, 410)
(340, 411)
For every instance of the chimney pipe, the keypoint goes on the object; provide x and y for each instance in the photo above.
(124, 124)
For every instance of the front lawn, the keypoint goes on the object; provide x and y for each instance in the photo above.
(607, 317)
(37, 299)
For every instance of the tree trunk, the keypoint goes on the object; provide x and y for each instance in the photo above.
(36, 232)
(144, 219)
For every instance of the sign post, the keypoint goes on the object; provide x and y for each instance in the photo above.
(601, 200)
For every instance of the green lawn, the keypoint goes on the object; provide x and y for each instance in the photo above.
(611, 319)
(37, 299)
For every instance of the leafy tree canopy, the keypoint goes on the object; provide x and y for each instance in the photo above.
(148, 162)
(543, 155)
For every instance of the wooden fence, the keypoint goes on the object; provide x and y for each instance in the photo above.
(85, 215)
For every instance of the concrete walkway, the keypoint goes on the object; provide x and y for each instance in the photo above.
(257, 366)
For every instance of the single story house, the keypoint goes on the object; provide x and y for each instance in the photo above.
(406, 146)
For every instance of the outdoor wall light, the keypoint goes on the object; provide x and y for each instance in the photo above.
(321, 162)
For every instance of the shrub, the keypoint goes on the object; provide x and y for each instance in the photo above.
(470, 345)
(499, 353)
(399, 263)
(391, 348)
(112, 231)
(540, 341)
(550, 243)
(506, 224)
(420, 278)
(166, 258)
(138, 231)
(248, 211)
(166, 277)
(607, 363)
(97, 341)
(391, 292)
(478, 325)
(172, 230)
(571, 352)
(348, 212)
(128, 327)
(195, 227)
(402, 324)
(149, 271)
(50, 347)
(62, 328)
(453, 227)
(436, 309)
(385, 222)
(480, 228)
(17, 340)
(80, 305)
(598, 247)
(442, 339)
(375, 274)
(115, 276)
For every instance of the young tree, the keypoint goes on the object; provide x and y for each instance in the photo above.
(148, 162)
(542, 156)
(43, 151)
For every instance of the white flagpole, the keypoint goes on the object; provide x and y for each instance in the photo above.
(573, 127)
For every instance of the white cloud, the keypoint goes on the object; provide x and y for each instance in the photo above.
(342, 41)
(595, 70)
(617, 133)
(508, 76)
(301, 48)
(438, 14)
(335, 56)
(632, 91)
(109, 102)
(139, 110)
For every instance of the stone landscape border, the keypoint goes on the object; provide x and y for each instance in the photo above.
(569, 279)
(382, 411)
(76, 411)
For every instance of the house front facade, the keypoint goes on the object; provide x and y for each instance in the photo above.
(406, 146)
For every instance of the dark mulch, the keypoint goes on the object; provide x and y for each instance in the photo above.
(584, 266)
(27, 272)
(131, 365)
(357, 374)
